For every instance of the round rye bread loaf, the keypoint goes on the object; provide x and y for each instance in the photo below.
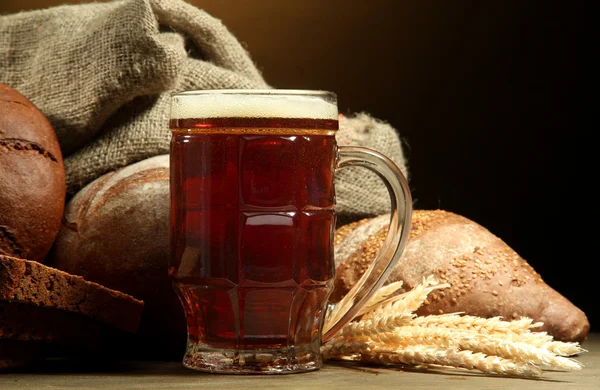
(115, 232)
(487, 278)
(32, 178)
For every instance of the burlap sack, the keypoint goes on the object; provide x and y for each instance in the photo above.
(103, 74)
(360, 192)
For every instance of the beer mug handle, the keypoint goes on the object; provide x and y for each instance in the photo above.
(399, 230)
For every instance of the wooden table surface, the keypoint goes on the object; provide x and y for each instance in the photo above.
(172, 375)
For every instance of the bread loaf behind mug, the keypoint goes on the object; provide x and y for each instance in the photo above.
(116, 233)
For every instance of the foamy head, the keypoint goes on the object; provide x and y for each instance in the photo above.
(255, 104)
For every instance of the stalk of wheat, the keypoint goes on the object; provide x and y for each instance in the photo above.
(387, 331)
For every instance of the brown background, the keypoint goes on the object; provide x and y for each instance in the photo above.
(485, 95)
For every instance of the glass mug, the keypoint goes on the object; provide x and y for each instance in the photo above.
(252, 227)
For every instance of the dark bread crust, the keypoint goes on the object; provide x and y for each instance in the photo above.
(29, 334)
(32, 178)
(487, 277)
(17, 354)
(25, 322)
(35, 284)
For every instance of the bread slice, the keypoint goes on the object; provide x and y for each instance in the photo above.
(33, 283)
(26, 322)
(45, 311)
(18, 354)
(29, 334)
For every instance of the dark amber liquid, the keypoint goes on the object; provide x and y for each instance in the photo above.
(252, 225)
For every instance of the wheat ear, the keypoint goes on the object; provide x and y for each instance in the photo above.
(405, 303)
(381, 295)
(450, 357)
(389, 332)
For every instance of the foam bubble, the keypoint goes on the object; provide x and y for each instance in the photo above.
(246, 104)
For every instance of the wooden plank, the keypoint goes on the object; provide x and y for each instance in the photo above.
(172, 375)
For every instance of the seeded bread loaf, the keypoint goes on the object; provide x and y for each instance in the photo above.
(487, 277)
(116, 232)
(32, 178)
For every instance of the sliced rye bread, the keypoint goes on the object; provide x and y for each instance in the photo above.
(18, 354)
(33, 283)
(45, 311)
(25, 322)
(29, 334)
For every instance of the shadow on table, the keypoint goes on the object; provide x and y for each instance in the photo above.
(105, 367)
(453, 373)
(61, 366)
